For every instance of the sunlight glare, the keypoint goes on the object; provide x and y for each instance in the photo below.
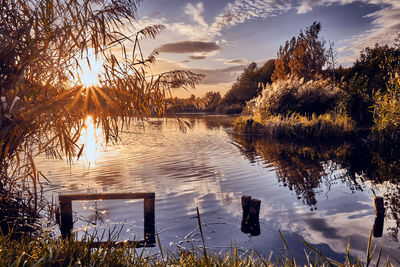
(90, 140)
(88, 76)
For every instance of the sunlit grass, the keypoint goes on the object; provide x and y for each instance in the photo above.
(296, 126)
(47, 251)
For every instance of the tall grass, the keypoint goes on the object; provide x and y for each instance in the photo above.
(294, 95)
(387, 113)
(325, 126)
(49, 251)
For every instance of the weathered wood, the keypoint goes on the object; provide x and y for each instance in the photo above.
(119, 244)
(246, 205)
(66, 217)
(378, 225)
(379, 205)
(149, 220)
(255, 205)
(66, 225)
(107, 196)
(250, 220)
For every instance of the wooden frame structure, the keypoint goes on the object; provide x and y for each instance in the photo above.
(67, 224)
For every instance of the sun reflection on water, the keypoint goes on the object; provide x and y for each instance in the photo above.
(90, 141)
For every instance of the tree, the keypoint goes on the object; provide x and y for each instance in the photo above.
(43, 104)
(331, 60)
(266, 71)
(303, 56)
(283, 59)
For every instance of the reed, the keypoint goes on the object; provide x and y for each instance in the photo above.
(294, 125)
(49, 251)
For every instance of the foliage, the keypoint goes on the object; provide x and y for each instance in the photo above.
(47, 251)
(248, 85)
(355, 101)
(245, 125)
(387, 113)
(294, 95)
(44, 104)
(370, 74)
(295, 126)
(303, 56)
(208, 103)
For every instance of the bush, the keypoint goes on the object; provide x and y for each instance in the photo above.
(295, 126)
(294, 95)
(248, 126)
(387, 113)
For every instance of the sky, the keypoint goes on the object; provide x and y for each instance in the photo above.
(219, 38)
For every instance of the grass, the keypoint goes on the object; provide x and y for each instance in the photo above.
(325, 126)
(49, 251)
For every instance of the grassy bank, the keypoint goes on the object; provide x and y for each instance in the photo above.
(325, 126)
(47, 251)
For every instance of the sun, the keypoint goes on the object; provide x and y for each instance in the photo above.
(88, 75)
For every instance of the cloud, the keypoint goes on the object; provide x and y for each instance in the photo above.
(307, 6)
(224, 75)
(189, 47)
(197, 57)
(237, 61)
(196, 12)
(240, 11)
(385, 27)
(233, 13)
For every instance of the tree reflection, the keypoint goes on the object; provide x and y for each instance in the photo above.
(306, 167)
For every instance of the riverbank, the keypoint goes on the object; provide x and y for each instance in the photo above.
(50, 251)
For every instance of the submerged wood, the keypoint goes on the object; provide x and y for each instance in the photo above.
(250, 220)
(379, 205)
(66, 224)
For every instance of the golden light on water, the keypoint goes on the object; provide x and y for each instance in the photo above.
(90, 141)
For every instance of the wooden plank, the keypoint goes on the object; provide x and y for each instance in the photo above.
(66, 226)
(119, 244)
(107, 196)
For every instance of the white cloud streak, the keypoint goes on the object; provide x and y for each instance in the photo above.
(385, 26)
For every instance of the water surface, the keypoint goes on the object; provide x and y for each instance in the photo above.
(322, 194)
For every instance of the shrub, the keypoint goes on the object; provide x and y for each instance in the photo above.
(387, 113)
(248, 126)
(294, 95)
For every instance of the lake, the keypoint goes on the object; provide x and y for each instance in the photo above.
(320, 193)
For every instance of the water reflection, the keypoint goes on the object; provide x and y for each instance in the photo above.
(318, 192)
(90, 139)
(310, 169)
(250, 218)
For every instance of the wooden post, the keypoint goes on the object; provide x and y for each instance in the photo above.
(255, 208)
(66, 224)
(245, 228)
(251, 212)
(149, 220)
(379, 205)
(246, 204)
(66, 217)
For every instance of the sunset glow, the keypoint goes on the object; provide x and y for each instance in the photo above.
(90, 141)
(89, 73)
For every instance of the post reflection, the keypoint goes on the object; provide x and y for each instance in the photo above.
(251, 213)
(311, 168)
